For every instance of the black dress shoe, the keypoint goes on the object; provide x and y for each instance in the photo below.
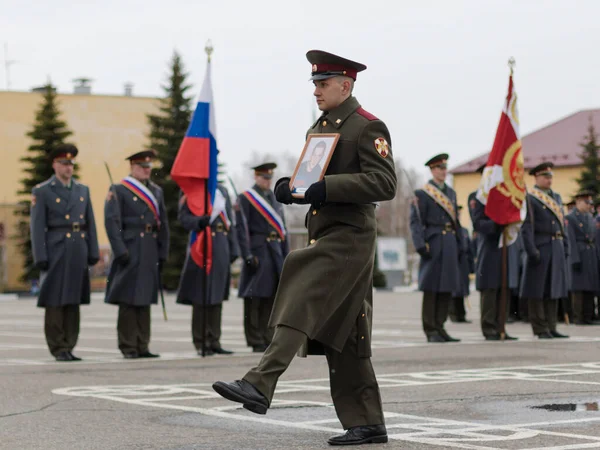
(371, 434)
(131, 355)
(222, 351)
(242, 391)
(207, 352)
(447, 337)
(147, 354)
(507, 337)
(73, 357)
(492, 337)
(464, 321)
(435, 338)
(63, 357)
(544, 335)
(556, 334)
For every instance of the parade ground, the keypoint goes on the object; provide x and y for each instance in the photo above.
(528, 394)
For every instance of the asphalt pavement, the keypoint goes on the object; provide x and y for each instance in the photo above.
(528, 394)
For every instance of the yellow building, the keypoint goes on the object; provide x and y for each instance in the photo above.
(558, 142)
(105, 128)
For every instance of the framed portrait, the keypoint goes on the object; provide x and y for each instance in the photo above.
(313, 162)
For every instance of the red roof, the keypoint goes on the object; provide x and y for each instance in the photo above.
(557, 142)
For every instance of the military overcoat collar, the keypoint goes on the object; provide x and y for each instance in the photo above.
(338, 115)
(70, 196)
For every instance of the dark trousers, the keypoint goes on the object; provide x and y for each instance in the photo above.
(212, 334)
(523, 309)
(456, 309)
(542, 314)
(583, 306)
(257, 311)
(133, 328)
(435, 312)
(490, 311)
(354, 388)
(61, 326)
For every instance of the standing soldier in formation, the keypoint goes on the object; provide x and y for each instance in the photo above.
(467, 267)
(192, 287)
(264, 246)
(64, 245)
(488, 278)
(583, 258)
(545, 271)
(437, 236)
(138, 230)
(324, 300)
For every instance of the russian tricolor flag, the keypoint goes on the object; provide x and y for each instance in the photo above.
(195, 169)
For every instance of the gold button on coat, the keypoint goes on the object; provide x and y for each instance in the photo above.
(68, 235)
(142, 234)
(80, 199)
(58, 200)
(324, 123)
(314, 212)
(81, 216)
(67, 217)
(312, 241)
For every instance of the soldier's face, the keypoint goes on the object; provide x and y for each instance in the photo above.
(63, 171)
(439, 173)
(140, 173)
(543, 181)
(330, 93)
(262, 182)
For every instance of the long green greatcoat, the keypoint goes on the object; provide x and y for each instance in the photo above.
(325, 289)
(56, 214)
(131, 227)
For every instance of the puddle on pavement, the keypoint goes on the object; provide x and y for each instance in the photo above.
(568, 407)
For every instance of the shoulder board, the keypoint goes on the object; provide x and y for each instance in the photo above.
(366, 114)
(155, 186)
(43, 183)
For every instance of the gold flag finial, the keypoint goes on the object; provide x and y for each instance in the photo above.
(209, 49)
(512, 63)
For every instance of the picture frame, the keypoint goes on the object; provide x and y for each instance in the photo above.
(313, 162)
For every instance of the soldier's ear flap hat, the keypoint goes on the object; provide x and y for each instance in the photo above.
(544, 168)
(438, 161)
(64, 153)
(265, 170)
(143, 158)
(326, 65)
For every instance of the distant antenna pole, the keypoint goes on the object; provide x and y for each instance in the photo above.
(7, 64)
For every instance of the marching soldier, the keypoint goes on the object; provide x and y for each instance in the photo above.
(488, 277)
(192, 287)
(467, 266)
(545, 270)
(583, 258)
(138, 230)
(437, 237)
(264, 246)
(324, 299)
(64, 245)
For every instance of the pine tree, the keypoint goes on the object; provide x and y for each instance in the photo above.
(48, 132)
(168, 129)
(590, 174)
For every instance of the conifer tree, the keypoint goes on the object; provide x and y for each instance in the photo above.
(168, 129)
(48, 132)
(590, 174)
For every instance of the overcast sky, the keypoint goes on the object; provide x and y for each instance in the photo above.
(437, 70)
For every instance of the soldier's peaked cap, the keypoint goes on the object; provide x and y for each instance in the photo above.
(143, 158)
(265, 169)
(542, 169)
(437, 159)
(326, 65)
(584, 193)
(63, 151)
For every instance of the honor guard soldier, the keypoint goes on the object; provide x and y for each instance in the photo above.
(64, 245)
(192, 286)
(437, 237)
(324, 299)
(138, 230)
(545, 270)
(264, 246)
(488, 278)
(467, 267)
(583, 258)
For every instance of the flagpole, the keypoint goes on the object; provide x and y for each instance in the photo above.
(504, 299)
(208, 49)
